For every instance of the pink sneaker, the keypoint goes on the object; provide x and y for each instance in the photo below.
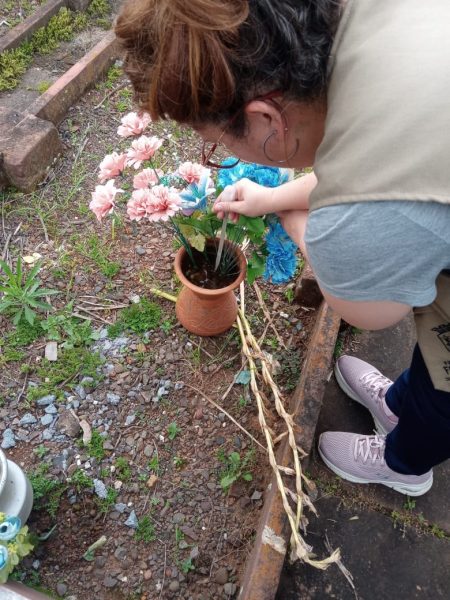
(365, 384)
(360, 459)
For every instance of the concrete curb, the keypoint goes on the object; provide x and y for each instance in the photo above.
(17, 591)
(263, 568)
(30, 141)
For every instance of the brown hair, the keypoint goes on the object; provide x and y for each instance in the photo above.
(199, 61)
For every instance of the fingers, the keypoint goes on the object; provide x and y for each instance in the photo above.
(225, 203)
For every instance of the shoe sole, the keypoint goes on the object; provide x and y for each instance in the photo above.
(350, 392)
(409, 490)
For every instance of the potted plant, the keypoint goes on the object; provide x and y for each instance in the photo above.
(210, 262)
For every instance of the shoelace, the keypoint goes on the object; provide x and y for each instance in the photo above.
(370, 448)
(374, 382)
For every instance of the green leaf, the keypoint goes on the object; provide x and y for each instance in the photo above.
(247, 476)
(256, 267)
(29, 315)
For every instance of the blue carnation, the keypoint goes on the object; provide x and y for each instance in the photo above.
(3, 556)
(195, 196)
(266, 176)
(281, 260)
(9, 528)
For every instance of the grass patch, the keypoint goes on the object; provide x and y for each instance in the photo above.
(47, 492)
(138, 318)
(95, 447)
(235, 467)
(105, 504)
(98, 252)
(43, 86)
(123, 470)
(81, 481)
(145, 531)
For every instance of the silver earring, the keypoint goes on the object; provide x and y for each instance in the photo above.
(279, 162)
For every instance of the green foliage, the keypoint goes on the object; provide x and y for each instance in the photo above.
(113, 75)
(139, 318)
(172, 431)
(179, 462)
(41, 451)
(123, 470)
(22, 294)
(186, 566)
(145, 531)
(98, 252)
(289, 294)
(71, 363)
(99, 8)
(409, 503)
(11, 355)
(13, 64)
(153, 465)
(43, 86)
(65, 326)
(60, 28)
(46, 491)
(235, 467)
(81, 481)
(24, 334)
(95, 446)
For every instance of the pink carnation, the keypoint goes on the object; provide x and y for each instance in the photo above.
(191, 172)
(137, 204)
(142, 149)
(102, 202)
(111, 166)
(157, 204)
(133, 124)
(146, 178)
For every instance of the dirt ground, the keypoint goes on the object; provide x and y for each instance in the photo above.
(161, 449)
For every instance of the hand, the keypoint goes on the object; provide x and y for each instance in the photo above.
(244, 198)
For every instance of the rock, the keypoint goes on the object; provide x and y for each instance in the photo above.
(109, 581)
(51, 409)
(51, 351)
(9, 440)
(46, 419)
(28, 419)
(132, 520)
(174, 585)
(140, 250)
(80, 391)
(68, 423)
(256, 495)
(112, 398)
(178, 518)
(47, 435)
(229, 589)
(46, 400)
(100, 488)
(120, 507)
(129, 420)
(61, 589)
(148, 451)
(221, 576)
(147, 574)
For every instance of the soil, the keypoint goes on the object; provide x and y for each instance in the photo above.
(203, 273)
(147, 383)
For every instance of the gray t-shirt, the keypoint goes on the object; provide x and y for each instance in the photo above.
(376, 251)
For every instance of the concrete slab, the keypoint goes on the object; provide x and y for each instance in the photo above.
(386, 562)
(389, 350)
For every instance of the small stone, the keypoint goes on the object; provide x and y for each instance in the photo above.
(221, 576)
(112, 398)
(120, 507)
(140, 250)
(46, 400)
(100, 488)
(148, 451)
(68, 423)
(147, 574)
(229, 589)
(183, 545)
(178, 518)
(51, 351)
(109, 582)
(51, 409)
(80, 391)
(47, 435)
(132, 520)
(9, 440)
(174, 585)
(46, 419)
(256, 495)
(61, 589)
(28, 419)
(129, 420)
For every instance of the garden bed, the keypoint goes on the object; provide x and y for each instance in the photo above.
(161, 450)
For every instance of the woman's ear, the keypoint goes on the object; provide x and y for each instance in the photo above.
(264, 115)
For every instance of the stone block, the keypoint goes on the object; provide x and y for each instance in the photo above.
(307, 291)
(30, 149)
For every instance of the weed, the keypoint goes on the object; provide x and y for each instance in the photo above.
(289, 294)
(22, 295)
(24, 334)
(145, 531)
(179, 535)
(99, 253)
(113, 75)
(123, 470)
(235, 467)
(95, 446)
(272, 342)
(10, 355)
(104, 504)
(139, 318)
(81, 481)
(64, 326)
(43, 86)
(409, 503)
(46, 491)
(172, 431)
(99, 8)
(186, 566)
(167, 325)
(242, 402)
(196, 356)
(153, 465)
(179, 462)
(41, 451)
(438, 532)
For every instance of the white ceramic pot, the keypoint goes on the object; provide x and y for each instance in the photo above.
(16, 493)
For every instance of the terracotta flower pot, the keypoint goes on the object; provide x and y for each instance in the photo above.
(202, 311)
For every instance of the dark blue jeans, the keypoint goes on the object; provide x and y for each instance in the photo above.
(421, 439)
